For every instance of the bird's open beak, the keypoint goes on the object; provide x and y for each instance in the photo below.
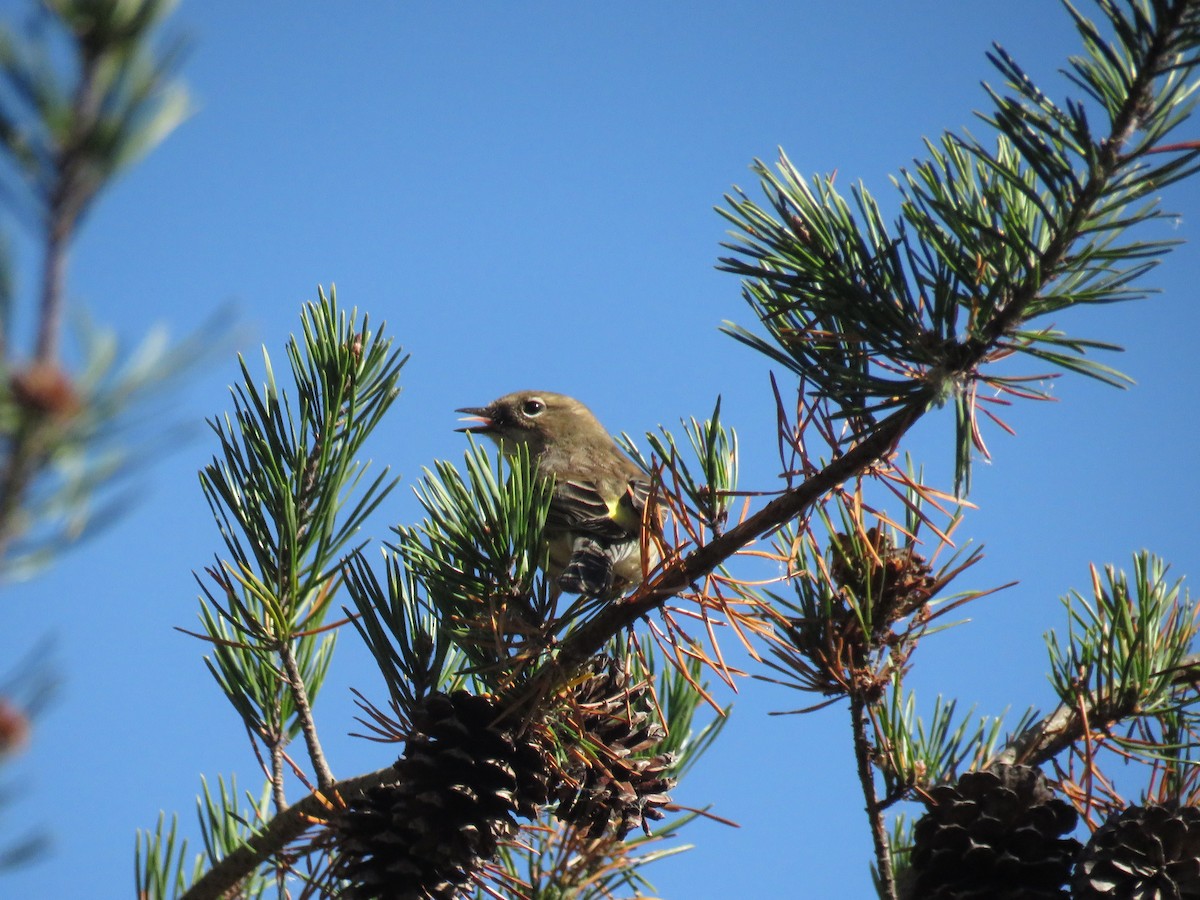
(479, 415)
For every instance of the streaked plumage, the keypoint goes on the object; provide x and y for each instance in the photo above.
(594, 525)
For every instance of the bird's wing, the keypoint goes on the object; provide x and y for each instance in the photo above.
(638, 495)
(580, 506)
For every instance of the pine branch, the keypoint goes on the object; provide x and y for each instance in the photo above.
(1129, 664)
(64, 143)
(222, 879)
(676, 576)
(988, 239)
(1058, 730)
(1111, 160)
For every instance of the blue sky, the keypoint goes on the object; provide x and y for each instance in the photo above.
(524, 192)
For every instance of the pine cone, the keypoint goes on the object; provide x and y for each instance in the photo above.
(45, 389)
(996, 834)
(898, 580)
(612, 784)
(1142, 853)
(461, 783)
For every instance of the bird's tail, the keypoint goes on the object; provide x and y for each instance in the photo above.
(589, 571)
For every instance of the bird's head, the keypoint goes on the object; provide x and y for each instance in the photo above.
(536, 419)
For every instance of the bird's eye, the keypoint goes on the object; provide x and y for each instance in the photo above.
(533, 407)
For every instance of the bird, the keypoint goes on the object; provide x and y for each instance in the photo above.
(594, 526)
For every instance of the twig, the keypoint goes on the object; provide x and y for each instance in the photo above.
(66, 202)
(304, 714)
(274, 771)
(874, 807)
(277, 792)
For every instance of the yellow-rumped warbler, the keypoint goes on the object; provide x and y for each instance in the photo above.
(594, 527)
